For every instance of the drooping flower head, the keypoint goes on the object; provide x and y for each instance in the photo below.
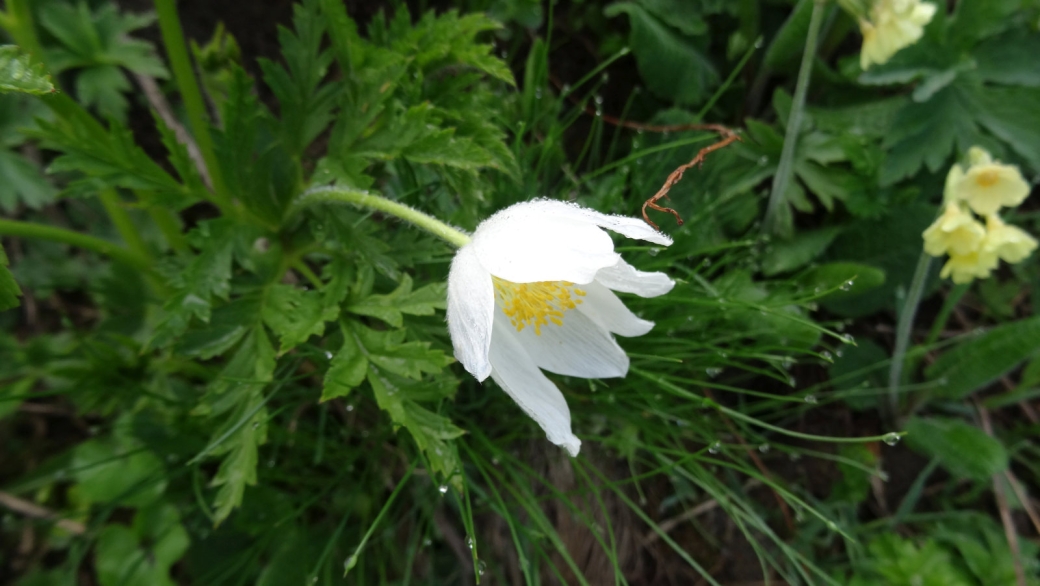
(988, 185)
(534, 290)
(891, 26)
(1011, 243)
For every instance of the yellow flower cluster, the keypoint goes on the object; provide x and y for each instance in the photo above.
(893, 25)
(976, 248)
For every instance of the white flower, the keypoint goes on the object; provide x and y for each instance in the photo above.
(533, 290)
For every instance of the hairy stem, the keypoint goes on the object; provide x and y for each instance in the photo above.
(785, 168)
(361, 198)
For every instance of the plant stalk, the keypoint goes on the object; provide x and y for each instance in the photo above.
(450, 234)
(903, 327)
(85, 241)
(184, 75)
(124, 225)
(785, 168)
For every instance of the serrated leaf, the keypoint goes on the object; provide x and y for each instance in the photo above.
(19, 75)
(389, 351)
(925, 134)
(979, 360)
(23, 183)
(1013, 115)
(108, 471)
(1009, 59)
(295, 314)
(432, 432)
(9, 290)
(963, 449)
(672, 67)
(347, 369)
(144, 553)
(402, 300)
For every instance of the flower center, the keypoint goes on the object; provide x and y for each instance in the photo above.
(987, 178)
(536, 304)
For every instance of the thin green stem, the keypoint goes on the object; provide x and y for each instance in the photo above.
(361, 198)
(124, 225)
(905, 324)
(785, 168)
(944, 314)
(184, 74)
(85, 241)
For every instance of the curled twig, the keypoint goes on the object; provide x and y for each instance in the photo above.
(726, 138)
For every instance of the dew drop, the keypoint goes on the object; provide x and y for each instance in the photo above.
(706, 263)
(469, 542)
(538, 93)
(349, 563)
(715, 448)
(256, 424)
(712, 371)
(763, 160)
(847, 285)
(759, 43)
(827, 356)
(328, 355)
(350, 407)
(764, 448)
(791, 381)
(427, 542)
(598, 100)
(443, 489)
(848, 339)
(891, 438)
(810, 399)
(832, 525)
(883, 475)
(653, 251)
(481, 567)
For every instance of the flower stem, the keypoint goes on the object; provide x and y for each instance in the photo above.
(124, 225)
(85, 241)
(906, 322)
(362, 198)
(785, 168)
(184, 74)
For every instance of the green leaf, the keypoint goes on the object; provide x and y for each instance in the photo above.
(787, 255)
(110, 471)
(389, 351)
(432, 432)
(925, 134)
(23, 183)
(1009, 59)
(899, 562)
(391, 307)
(9, 291)
(347, 369)
(1013, 115)
(975, 20)
(892, 244)
(963, 449)
(18, 74)
(295, 314)
(238, 392)
(144, 553)
(981, 359)
(849, 278)
(672, 67)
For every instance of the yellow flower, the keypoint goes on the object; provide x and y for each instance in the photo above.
(1010, 243)
(956, 232)
(987, 185)
(893, 25)
(965, 267)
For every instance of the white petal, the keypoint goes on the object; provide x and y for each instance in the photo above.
(625, 278)
(471, 307)
(537, 396)
(577, 348)
(546, 240)
(603, 307)
(517, 247)
(624, 225)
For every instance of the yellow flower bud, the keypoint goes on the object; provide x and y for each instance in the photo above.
(1010, 243)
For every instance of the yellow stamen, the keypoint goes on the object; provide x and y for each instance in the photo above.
(536, 304)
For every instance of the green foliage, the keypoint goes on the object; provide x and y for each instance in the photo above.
(9, 291)
(19, 75)
(963, 449)
(144, 552)
(672, 65)
(983, 358)
(97, 45)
